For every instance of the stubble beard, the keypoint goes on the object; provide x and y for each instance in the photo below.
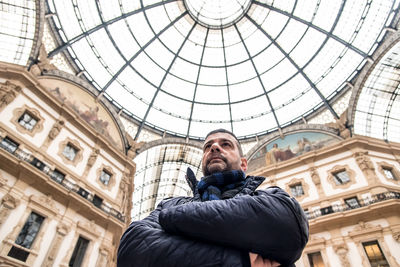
(211, 168)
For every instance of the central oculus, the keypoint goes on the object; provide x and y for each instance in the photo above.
(217, 13)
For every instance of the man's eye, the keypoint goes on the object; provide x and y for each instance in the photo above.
(226, 144)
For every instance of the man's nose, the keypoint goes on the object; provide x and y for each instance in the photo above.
(215, 147)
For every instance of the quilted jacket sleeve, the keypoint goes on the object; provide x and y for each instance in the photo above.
(145, 243)
(268, 222)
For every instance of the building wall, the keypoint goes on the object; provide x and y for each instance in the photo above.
(338, 231)
(26, 183)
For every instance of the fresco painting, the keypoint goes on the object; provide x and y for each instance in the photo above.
(88, 109)
(293, 145)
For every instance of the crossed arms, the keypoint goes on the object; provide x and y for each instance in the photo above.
(220, 232)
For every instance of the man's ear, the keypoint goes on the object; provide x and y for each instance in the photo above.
(243, 164)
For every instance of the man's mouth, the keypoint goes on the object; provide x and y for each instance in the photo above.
(216, 159)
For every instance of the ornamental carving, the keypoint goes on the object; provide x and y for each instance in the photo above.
(55, 130)
(341, 125)
(133, 146)
(366, 166)
(8, 92)
(7, 204)
(43, 63)
(342, 251)
(316, 180)
(45, 202)
(93, 157)
(396, 236)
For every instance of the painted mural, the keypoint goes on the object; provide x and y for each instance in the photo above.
(88, 109)
(292, 145)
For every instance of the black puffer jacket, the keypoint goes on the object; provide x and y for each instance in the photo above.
(184, 231)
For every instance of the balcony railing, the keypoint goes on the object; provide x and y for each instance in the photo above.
(57, 177)
(345, 207)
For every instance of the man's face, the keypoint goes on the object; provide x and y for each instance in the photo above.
(221, 153)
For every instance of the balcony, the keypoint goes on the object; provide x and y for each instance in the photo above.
(381, 197)
(12, 148)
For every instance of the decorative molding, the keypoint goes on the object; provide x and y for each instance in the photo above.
(74, 143)
(17, 113)
(8, 92)
(44, 203)
(338, 168)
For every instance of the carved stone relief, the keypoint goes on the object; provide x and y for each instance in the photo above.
(8, 92)
(55, 130)
(366, 166)
(7, 204)
(342, 251)
(317, 181)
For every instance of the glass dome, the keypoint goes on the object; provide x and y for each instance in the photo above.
(187, 67)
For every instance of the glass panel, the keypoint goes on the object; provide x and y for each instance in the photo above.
(17, 30)
(247, 49)
(30, 230)
(315, 259)
(79, 252)
(297, 190)
(70, 152)
(375, 254)
(389, 174)
(341, 177)
(105, 177)
(27, 121)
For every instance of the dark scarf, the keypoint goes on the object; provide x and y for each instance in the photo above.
(221, 185)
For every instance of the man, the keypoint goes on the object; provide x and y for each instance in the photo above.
(226, 223)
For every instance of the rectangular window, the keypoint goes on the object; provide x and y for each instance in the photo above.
(297, 190)
(105, 177)
(70, 152)
(315, 259)
(375, 254)
(26, 237)
(352, 202)
(57, 176)
(389, 173)
(27, 120)
(97, 201)
(9, 144)
(79, 252)
(327, 210)
(341, 177)
(82, 192)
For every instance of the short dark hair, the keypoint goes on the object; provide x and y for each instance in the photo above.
(221, 130)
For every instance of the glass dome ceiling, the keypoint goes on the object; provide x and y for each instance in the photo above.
(187, 67)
